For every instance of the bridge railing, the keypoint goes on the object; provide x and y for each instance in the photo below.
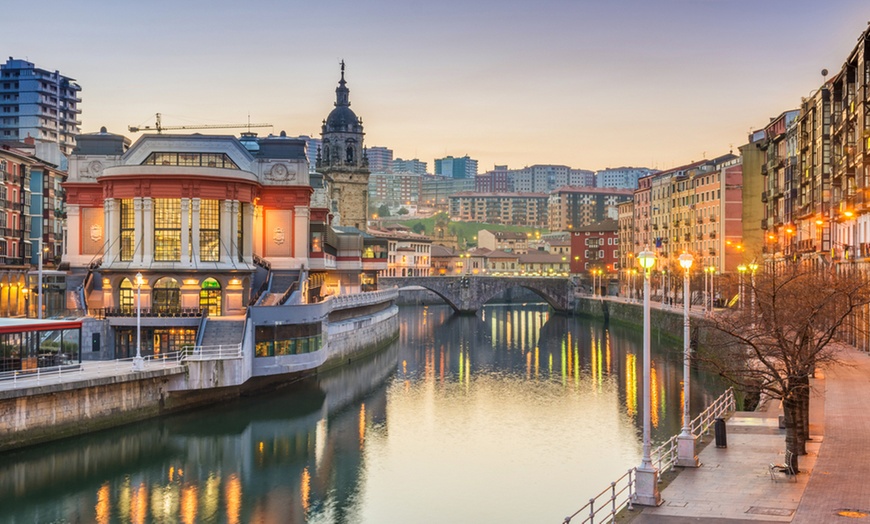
(603, 507)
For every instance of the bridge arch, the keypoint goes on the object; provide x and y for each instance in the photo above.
(467, 294)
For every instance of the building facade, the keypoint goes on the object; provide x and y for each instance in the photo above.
(38, 103)
(570, 208)
(463, 167)
(519, 209)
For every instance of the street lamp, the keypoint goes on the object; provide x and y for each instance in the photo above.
(646, 482)
(741, 269)
(686, 441)
(752, 268)
(26, 292)
(138, 362)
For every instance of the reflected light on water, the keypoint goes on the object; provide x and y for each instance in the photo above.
(655, 401)
(139, 504)
(188, 504)
(631, 383)
(305, 489)
(362, 425)
(233, 496)
(103, 507)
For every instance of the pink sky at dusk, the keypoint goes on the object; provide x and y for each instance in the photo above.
(589, 84)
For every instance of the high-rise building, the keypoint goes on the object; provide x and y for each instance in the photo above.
(38, 103)
(495, 181)
(622, 177)
(380, 159)
(464, 167)
(409, 166)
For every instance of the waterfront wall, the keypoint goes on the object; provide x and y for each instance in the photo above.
(360, 336)
(666, 322)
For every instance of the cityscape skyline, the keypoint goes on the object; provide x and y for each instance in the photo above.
(506, 83)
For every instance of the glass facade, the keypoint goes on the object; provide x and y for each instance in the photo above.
(128, 229)
(209, 230)
(190, 160)
(30, 349)
(167, 229)
(296, 339)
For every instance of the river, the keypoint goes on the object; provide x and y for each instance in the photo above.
(516, 415)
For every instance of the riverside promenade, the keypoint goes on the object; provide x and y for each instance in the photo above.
(733, 484)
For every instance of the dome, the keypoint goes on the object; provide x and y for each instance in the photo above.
(341, 117)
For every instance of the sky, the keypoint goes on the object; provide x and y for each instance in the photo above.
(586, 83)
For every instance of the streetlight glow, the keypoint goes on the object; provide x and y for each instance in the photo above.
(138, 362)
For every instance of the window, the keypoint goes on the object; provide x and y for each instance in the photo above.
(127, 229)
(167, 229)
(210, 297)
(209, 230)
(125, 296)
(221, 160)
(165, 297)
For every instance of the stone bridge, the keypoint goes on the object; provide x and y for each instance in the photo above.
(467, 294)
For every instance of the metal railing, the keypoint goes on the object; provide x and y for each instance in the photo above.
(220, 352)
(23, 378)
(603, 507)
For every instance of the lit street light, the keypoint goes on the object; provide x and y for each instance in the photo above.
(686, 441)
(138, 362)
(646, 491)
(752, 268)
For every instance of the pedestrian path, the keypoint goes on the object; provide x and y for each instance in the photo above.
(733, 484)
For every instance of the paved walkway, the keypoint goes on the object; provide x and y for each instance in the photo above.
(733, 485)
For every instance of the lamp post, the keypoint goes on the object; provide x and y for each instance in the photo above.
(26, 292)
(646, 482)
(39, 279)
(138, 361)
(686, 441)
(752, 268)
(741, 269)
(712, 288)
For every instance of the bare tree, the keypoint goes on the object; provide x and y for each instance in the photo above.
(779, 331)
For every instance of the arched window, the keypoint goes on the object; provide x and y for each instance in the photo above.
(166, 296)
(210, 297)
(126, 296)
(349, 154)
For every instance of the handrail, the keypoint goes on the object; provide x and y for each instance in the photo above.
(293, 287)
(664, 457)
(219, 352)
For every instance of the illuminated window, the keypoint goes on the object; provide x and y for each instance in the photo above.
(191, 160)
(127, 229)
(167, 229)
(166, 296)
(209, 230)
(125, 296)
(210, 297)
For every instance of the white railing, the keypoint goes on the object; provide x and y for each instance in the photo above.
(85, 370)
(90, 369)
(603, 507)
(220, 352)
(365, 298)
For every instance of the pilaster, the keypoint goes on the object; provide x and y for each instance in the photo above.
(138, 233)
(147, 230)
(194, 208)
(185, 231)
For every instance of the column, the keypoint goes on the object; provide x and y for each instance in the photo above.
(248, 232)
(226, 231)
(111, 231)
(300, 232)
(137, 230)
(235, 249)
(185, 231)
(194, 217)
(74, 222)
(147, 230)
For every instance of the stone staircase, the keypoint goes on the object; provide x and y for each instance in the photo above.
(224, 332)
(281, 282)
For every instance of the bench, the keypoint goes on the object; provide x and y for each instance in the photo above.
(784, 468)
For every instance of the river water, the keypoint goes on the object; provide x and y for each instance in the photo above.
(514, 415)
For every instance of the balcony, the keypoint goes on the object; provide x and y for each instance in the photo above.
(712, 234)
(764, 196)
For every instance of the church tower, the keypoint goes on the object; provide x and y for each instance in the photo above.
(342, 158)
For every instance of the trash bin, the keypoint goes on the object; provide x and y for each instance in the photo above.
(721, 437)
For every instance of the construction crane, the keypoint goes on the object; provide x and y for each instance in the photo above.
(159, 127)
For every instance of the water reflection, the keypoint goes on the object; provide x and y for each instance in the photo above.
(516, 415)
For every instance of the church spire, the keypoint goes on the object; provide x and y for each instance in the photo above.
(342, 93)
